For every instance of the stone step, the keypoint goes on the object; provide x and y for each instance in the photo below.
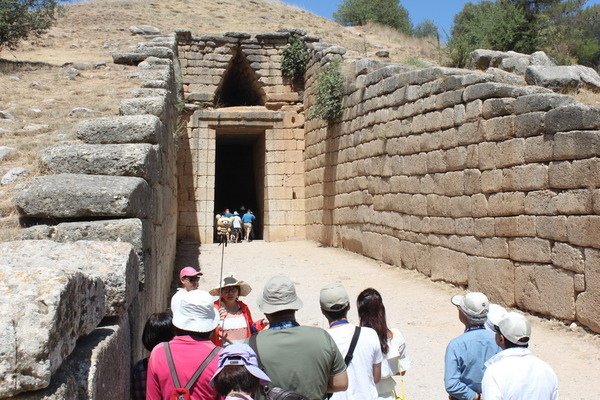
(121, 129)
(82, 196)
(139, 160)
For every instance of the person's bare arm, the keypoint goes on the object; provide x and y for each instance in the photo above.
(338, 383)
(376, 372)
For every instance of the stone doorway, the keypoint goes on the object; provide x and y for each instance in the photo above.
(239, 174)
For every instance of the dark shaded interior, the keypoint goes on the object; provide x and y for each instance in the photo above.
(239, 85)
(239, 176)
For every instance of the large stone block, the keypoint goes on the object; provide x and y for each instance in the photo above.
(530, 250)
(139, 160)
(448, 265)
(129, 230)
(144, 105)
(113, 262)
(81, 196)
(122, 129)
(495, 278)
(44, 311)
(588, 302)
(546, 290)
(567, 257)
(98, 368)
(541, 102)
(576, 144)
(572, 117)
(584, 230)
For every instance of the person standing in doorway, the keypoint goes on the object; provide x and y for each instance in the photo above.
(236, 224)
(248, 219)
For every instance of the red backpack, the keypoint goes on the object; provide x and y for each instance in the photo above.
(183, 393)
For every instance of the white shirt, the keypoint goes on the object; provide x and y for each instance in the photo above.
(516, 374)
(237, 222)
(395, 361)
(360, 371)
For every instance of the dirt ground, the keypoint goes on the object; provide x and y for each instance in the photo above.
(419, 307)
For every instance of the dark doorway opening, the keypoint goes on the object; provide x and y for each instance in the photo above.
(239, 175)
(239, 85)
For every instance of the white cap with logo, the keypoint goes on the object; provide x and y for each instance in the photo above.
(474, 305)
(515, 328)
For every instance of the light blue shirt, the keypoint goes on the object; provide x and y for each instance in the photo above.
(465, 362)
(248, 218)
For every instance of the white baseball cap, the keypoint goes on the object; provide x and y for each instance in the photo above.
(195, 312)
(474, 305)
(515, 328)
(333, 297)
(494, 315)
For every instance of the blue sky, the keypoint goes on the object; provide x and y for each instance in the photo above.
(440, 11)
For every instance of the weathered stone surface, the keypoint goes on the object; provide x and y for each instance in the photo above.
(129, 230)
(588, 302)
(483, 59)
(6, 152)
(563, 78)
(541, 102)
(576, 144)
(572, 117)
(567, 257)
(115, 263)
(13, 175)
(124, 129)
(45, 309)
(530, 249)
(495, 278)
(77, 196)
(144, 105)
(448, 265)
(546, 290)
(139, 160)
(99, 365)
(144, 30)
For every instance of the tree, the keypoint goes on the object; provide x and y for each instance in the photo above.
(385, 12)
(426, 28)
(498, 25)
(21, 19)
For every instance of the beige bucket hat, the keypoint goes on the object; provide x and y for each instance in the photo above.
(231, 281)
(279, 294)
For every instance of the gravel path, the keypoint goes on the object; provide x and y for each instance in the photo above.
(419, 307)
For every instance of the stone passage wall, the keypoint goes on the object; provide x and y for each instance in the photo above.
(469, 181)
(74, 303)
(233, 85)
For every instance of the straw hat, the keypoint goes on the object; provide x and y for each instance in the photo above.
(231, 281)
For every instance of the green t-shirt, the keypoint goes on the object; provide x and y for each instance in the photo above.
(301, 359)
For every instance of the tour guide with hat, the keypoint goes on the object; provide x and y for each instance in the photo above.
(236, 324)
(515, 373)
(194, 318)
(304, 359)
(467, 353)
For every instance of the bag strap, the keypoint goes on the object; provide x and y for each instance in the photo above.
(198, 372)
(202, 366)
(252, 343)
(172, 365)
(350, 353)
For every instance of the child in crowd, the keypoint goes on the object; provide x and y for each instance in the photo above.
(239, 376)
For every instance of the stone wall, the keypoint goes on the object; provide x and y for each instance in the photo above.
(464, 179)
(100, 248)
(266, 105)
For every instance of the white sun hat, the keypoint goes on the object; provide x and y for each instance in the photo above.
(195, 312)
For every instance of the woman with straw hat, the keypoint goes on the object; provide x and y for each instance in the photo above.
(236, 324)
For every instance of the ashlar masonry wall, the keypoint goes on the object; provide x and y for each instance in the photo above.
(233, 85)
(464, 179)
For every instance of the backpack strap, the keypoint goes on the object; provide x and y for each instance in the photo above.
(198, 372)
(202, 366)
(350, 353)
(172, 365)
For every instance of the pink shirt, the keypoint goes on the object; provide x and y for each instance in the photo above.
(188, 354)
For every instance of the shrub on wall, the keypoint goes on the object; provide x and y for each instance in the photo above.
(328, 93)
(294, 59)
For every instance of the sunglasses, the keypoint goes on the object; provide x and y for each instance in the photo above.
(192, 278)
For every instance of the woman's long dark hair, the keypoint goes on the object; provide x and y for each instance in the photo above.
(371, 312)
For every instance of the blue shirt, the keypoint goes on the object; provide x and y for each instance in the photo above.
(464, 362)
(248, 218)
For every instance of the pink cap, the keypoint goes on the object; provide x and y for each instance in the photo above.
(189, 271)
